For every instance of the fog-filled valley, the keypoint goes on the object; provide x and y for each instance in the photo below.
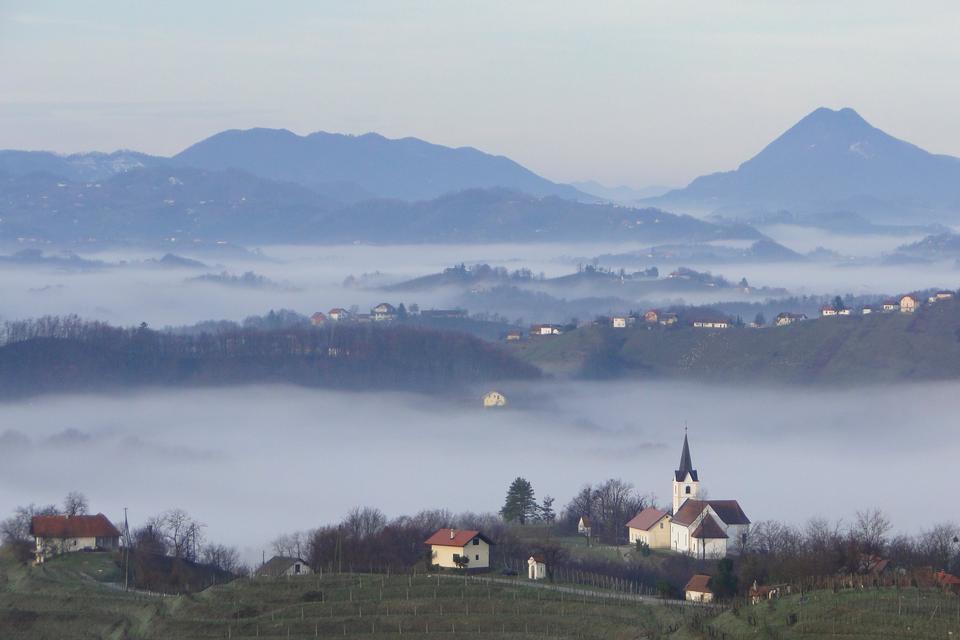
(130, 286)
(299, 458)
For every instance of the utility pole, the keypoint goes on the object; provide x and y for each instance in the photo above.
(126, 551)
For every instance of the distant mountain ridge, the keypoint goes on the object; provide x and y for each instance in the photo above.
(172, 204)
(831, 161)
(405, 168)
(342, 167)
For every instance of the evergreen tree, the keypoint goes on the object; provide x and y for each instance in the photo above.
(547, 513)
(520, 504)
(838, 304)
(724, 584)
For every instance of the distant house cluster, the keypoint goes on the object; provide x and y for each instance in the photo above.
(908, 303)
(383, 312)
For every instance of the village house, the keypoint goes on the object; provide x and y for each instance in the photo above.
(55, 535)
(827, 310)
(618, 322)
(711, 324)
(668, 319)
(546, 330)
(760, 593)
(890, 306)
(494, 399)
(909, 303)
(785, 318)
(282, 567)
(318, 319)
(453, 549)
(514, 336)
(698, 589)
(947, 581)
(652, 527)
(383, 312)
(537, 567)
(940, 296)
(703, 528)
(338, 314)
(652, 316)
(844, 312)
(867, 309)
(444, 314)
(583, 526)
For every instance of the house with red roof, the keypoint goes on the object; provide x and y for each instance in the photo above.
(703, 528)
(55, 535)
(460, 549)
(698, 589)
(652, 527)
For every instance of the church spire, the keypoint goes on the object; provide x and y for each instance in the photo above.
(686, 465)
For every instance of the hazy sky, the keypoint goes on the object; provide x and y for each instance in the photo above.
(625, 92)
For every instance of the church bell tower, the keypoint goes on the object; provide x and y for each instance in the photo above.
(685, 482)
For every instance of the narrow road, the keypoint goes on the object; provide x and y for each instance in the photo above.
(592, 593)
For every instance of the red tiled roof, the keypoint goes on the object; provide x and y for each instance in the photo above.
(646, 519)
(945, 579)
(699, 583)
(98, 526)
(708, 529)
(460, 538)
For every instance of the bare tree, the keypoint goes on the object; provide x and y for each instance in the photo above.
(16, 528)
(222, 557)
(870, 530)
(363, 522)
(75, 504)
(291, 545)
(181, 534)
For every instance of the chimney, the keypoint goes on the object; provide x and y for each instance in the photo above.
(453, 533)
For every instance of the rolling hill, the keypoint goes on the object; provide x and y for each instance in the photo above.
(832, 161)
(877, 348)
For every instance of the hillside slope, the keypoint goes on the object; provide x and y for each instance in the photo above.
(851, 350)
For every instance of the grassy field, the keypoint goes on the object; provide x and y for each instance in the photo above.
(856, 349)
(869, 613)
(63, 600)
(67, 598)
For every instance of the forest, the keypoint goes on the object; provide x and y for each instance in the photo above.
(54, 354)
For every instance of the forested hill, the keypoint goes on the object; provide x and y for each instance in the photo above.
(66, 354)
(847, 351)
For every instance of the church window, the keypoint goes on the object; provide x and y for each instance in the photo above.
(687, 489)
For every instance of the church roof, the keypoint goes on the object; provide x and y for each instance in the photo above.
(708, 529)
(728, 510)
(686, 466)
(646, 519)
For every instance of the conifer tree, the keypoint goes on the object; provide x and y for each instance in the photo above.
(520, 504)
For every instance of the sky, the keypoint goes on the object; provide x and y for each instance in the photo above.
(635, 92)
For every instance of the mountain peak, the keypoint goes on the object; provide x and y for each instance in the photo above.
(830, 160)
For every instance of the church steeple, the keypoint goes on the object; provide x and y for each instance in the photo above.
(686, 484)
(686, 466)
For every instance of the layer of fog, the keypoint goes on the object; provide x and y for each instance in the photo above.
(254, 462)
(311, 278)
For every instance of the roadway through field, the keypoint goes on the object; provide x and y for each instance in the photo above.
(590, 593)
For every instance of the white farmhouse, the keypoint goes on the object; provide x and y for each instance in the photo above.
(452, 549)
(282, 566)
(55, 535)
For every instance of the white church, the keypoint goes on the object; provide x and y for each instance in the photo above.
(701, 528)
